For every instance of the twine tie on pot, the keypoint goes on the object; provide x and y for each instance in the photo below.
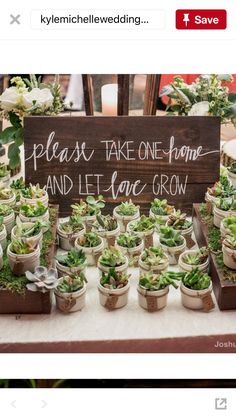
(208, 303)
(68, 304)
(111, 300)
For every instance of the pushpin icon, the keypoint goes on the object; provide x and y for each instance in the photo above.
(186, 19)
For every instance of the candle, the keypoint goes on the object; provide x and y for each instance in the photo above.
(109, 99)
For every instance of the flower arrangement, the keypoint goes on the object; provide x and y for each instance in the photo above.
(26, 97)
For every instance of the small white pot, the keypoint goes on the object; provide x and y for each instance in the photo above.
(152, 300)
(232, 177)
(35, 240)
(219, 215)
(24, 219)
(67, 241)
(123, 220)
(109, 237)
(212, 200)
(146, 236)
(229, 257)
(132, 252)
(187, 234)
(19, 264)
(70, 302)
(1, 257)
(174, 253)
(113, 299)
(88, 220)
(121, 268)
(33, 201)
(193, 298)
(5, 180)
(224, 231)
(92, 253)
(184, 267)
(9, 222)
(3, 237)
(10, 202)
(144, 267)
(65, 270)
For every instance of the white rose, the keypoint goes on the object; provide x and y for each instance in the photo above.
(199, 109)
(10, 98)
(42, 97)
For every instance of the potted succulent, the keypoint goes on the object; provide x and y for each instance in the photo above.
(131, 245)
(179, 222)
(29, 232)
(107, 227)
(194, 258)
(144, 227)
(70, 293)
(221, 189)
(72, 262)
(125, 212)
(92, 245)
(232, 173)
(33, 194)
(43, 280)
(161, 209)
(3, 234)
(223, 208)
(8, 217)
(4, 174)
(16, 186)
(229, 249)
(153, 289)
(226, 225)
(113, 289)
(172, 243)
(1, 257)
(7, 196)
(153, 260)
(112, 258)
(196, 288)
(22, 257)
(33, 212)
(68, 231)
(89, 209)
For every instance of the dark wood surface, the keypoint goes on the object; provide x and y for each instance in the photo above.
(151, 94)
(88, 93)
(123, 94)
(192, 132)
(225, 291)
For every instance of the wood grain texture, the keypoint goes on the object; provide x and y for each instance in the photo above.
(140, 148)
(123, 94)
(151, 94)
(88, 93)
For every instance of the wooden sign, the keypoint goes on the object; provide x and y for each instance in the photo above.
(123, 157)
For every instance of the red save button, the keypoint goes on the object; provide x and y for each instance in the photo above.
(201, 19)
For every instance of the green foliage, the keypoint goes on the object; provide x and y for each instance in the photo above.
(73, 259)
(13, 135)
(5, 210)
(5, 193)
(232, 167)
(229, 222)
(72, 283)
(226, 205)
(17, 184)
(197, 258)
(152, 282)
(127, 209)
(105, 223)
(229, 274)
(74, 225)
(89, 240)
(3, 170)
(128, 240)
(19, 247)
(170, 237)
(24, 231)
(196, 280)
(178, 221)
(161, 207)
(112, 257)
(114, 280)
(90, 207)
(154, 256)
(222, 188)
(33, 192)
(143, 224)
(31, 210)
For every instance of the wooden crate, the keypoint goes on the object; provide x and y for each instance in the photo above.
(30, 302)
(225, 291)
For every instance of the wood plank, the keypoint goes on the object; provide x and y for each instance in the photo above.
(123, 94)
(151, 94)
(88, 93)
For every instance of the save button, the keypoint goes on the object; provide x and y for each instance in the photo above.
(194, 19)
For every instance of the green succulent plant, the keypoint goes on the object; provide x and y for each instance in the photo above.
(152, 282)
(3, 170)
(229, 221)
(127, 208)
(33, 191)
(16, 186)
(226, 205)
(31, 210)
(19, 247)
(90, 207)
(89, 240)
(5, 193)
(73, 225)
(170, 237)
(105, 223)
(72, 283)
(197, 258)
(112, 257)
(232, 167)
(5, 210)
(222, 188)
(154, 256)
(128, 240)
(114, 280)
(161, 207)
(72, 259)
(1, 223)
(196, 280)
(24, 231)
(178, 221)
(143, 224)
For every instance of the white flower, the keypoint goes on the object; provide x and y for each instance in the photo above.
(42, 97)
(199, 109)
(10, 98)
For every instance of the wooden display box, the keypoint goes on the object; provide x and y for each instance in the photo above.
(225, 291)
(31, 302)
